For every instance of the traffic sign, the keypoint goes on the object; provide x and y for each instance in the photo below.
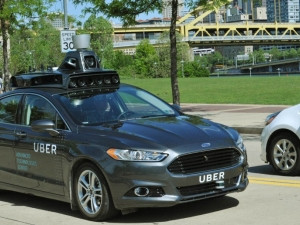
(66, 40)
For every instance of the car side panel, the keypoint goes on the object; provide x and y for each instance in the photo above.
(7, 155)
(39, 161)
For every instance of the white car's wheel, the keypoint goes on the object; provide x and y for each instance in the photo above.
(285, 154)
(92, 194)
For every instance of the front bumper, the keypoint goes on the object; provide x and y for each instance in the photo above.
(264, 141)
(169, 190)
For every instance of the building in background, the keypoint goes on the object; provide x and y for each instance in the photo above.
(57, 20)
(235, 14)
(167, 9)
(283, 11)
(260, 13)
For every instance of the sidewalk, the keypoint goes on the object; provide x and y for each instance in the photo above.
(247, 119)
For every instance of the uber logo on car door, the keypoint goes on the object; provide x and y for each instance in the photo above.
(44, 148)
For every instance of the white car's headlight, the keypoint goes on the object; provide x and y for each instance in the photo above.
(271, 117)
(136, 155)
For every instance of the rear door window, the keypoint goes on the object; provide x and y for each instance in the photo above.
(9, 109)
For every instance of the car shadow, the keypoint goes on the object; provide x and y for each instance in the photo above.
(156, 215)
(262, 169)
(153, 215)
(19, 199)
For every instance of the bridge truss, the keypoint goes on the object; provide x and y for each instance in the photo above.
(197, 33)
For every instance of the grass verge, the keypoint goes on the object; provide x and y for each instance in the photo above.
(284, 90)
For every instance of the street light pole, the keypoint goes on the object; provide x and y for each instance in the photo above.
(66, 14)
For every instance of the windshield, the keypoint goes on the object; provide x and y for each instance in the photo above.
(93, 107)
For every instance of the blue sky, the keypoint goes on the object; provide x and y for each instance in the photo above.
(72, 10)
(75, 11)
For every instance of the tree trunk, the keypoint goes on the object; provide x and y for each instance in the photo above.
(5, 36)
(173, 52)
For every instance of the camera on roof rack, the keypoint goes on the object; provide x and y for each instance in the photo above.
(105, 79)
(81, 60)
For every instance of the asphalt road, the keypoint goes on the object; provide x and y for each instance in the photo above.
(269, 199)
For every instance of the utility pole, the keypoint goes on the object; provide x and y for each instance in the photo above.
(66, 14)
(66, 35)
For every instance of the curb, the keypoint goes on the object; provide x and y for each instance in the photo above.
(249, 130)
(245, 118)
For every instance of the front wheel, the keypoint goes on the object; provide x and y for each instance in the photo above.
(285, 154)
(92, 194)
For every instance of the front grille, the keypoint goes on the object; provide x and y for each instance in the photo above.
(205, 161)
(206, 188)
(197, 189)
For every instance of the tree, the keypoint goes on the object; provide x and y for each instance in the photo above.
(34, 47)
(145, 58)
(11, 13)
(127, 10)
(164, 58)
(121, 60)
(195, 69)
(276, 53)
(215, 58)
(260, 56)
(292, 53)
(101, 38)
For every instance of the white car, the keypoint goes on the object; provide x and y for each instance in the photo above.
(280, 141)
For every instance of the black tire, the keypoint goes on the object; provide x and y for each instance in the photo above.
(92, 194)
(285, 154)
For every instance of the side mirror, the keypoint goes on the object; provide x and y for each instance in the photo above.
(44, 125)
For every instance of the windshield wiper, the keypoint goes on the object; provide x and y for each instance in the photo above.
(163, 115)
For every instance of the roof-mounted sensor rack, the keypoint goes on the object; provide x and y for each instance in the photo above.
(80, 69)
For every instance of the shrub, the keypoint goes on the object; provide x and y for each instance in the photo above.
(194, 69)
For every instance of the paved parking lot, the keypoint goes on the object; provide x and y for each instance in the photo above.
(245, 118)
(269, 199)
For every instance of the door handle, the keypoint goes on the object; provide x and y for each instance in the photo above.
(21, 134)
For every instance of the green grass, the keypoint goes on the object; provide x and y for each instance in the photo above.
(284, 90)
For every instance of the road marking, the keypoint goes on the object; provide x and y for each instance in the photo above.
(275, 182)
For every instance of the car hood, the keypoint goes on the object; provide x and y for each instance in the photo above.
(168, 132)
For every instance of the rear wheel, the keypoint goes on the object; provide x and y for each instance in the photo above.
(92, 194)
(285, 154)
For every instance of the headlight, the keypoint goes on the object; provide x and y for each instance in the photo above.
(240, 143)
(271, 117)
(237, 138)
(136, 155)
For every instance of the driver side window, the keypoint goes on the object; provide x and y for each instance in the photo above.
(38, 108)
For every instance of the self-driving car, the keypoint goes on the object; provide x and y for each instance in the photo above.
(280, 141)
(78, 135)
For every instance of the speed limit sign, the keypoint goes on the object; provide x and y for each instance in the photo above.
(66, 41)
